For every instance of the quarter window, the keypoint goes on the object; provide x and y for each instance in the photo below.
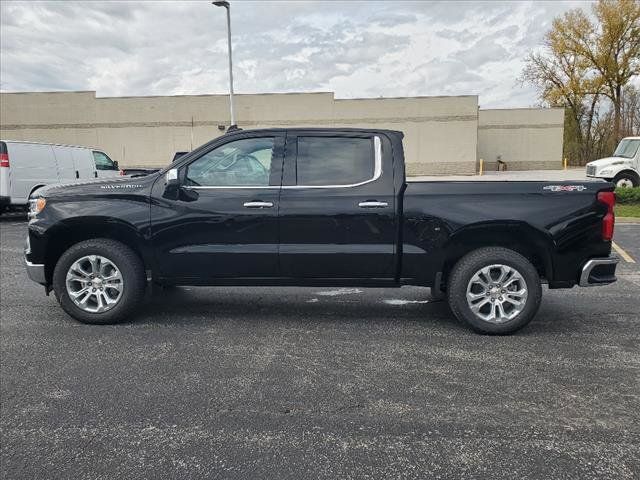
(334, 160)
(244, 162)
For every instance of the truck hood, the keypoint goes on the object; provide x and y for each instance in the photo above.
(97, 187)
(605, 162)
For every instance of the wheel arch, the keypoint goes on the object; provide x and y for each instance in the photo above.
(36, 187)
(520, 237)
(72, 231)
(629, 172)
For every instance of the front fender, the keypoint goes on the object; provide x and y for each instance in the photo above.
(62, 224)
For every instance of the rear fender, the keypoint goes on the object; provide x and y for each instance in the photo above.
(535, 245)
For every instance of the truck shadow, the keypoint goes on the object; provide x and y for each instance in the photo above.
(306, 307)
(14, 217)
(291, 305)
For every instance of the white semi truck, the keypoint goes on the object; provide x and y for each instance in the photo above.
(623, 167)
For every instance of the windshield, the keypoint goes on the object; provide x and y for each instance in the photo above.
(627, 148)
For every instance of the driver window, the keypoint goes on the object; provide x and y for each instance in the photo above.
(245, 162)
(103, 162)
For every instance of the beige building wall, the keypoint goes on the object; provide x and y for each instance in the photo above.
(524, 138)
(443, 135)
(441, 132)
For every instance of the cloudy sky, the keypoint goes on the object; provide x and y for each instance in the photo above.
(355, 49)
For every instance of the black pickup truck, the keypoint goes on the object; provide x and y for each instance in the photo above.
(328, 207)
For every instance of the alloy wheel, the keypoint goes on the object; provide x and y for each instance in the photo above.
(94, 284)
(497, 293)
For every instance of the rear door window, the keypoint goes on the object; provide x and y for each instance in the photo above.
(334, 161)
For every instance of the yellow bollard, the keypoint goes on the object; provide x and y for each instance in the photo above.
(565, 163)
(481, 167)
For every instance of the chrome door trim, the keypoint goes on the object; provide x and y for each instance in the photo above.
(377, 171)
(200, 187)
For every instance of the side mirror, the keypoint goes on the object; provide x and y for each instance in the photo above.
(115, 164)
(171, 177)
(171, 185)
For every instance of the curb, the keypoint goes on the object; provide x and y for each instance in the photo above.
(627, 219)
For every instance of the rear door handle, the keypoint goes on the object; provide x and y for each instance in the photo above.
(258, 204)
(373, 204)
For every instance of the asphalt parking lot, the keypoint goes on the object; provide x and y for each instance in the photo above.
(318, 383)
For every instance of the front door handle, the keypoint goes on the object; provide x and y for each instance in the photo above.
(373, 204)
(258, 204)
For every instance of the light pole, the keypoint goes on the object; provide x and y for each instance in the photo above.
(225, 4)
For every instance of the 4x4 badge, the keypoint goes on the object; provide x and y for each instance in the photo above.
(565, 188)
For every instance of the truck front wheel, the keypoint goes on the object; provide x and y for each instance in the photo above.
(99, 281)
(494, 290)
(626, 180)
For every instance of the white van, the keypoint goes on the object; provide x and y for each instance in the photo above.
(26, 166)
(623, 168)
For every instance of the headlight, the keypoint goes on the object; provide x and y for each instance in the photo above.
(36, 205)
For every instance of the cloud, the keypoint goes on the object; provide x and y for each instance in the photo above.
(356, 49)
(490, 48)
(392, 19)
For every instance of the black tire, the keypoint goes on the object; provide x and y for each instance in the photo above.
(473, 262)
(133, 279)
(626, 176)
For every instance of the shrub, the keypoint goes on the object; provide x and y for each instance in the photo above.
(628, 195)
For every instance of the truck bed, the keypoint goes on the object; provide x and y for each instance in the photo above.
(572, 174)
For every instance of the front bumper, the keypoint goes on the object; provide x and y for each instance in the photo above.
(35, 271)
(599, 271)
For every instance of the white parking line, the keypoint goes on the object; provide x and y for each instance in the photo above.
(627, 258)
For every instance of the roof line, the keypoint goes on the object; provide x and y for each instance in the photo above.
(241, 95)
(522, 108)
(53, 144)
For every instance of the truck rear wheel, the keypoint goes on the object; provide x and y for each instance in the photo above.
(99, 281)
(494, 290)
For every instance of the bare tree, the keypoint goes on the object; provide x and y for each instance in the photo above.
(587, 67)
(611, 45)
(630, 111)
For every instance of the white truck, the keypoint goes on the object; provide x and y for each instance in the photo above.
(27, 166)
(623, 167)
